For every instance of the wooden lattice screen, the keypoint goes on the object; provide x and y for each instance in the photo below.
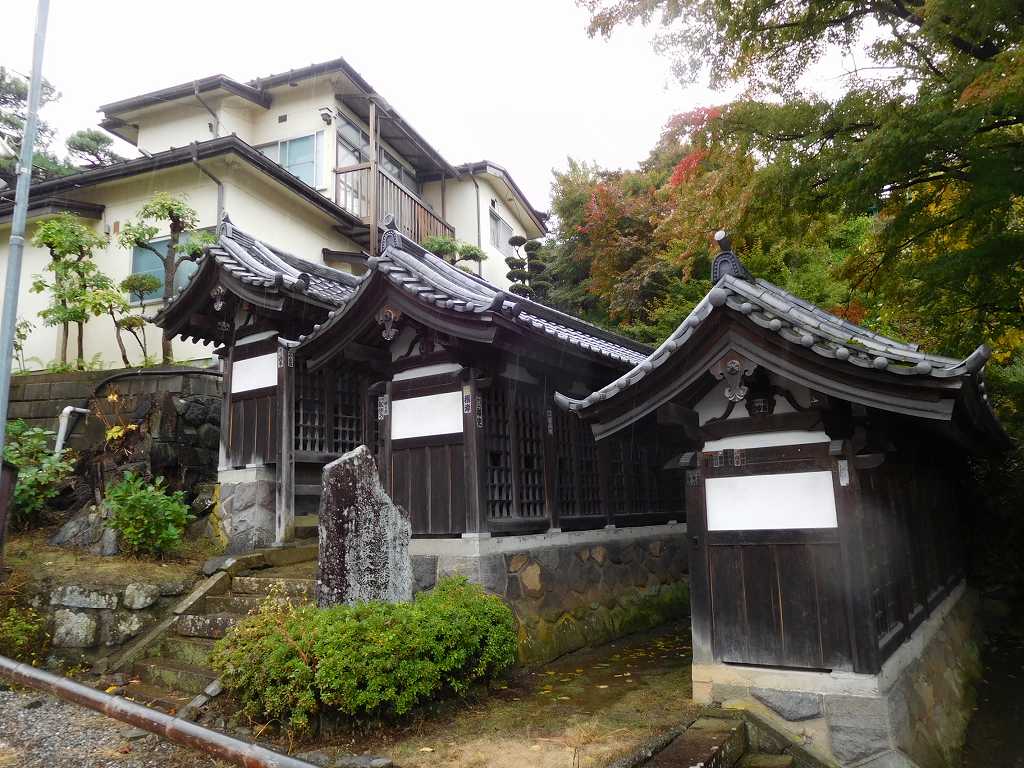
(328, 411)
(514, 442)
(498, 444)
(576, 467)
(528, 451)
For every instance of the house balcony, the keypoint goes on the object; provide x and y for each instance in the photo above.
(412, 216)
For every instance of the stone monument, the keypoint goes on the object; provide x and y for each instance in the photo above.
(364, 536)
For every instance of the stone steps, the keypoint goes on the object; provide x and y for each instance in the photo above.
(256, 585)
(240, 605)
(762, 760)
(210, 625)
(157, 697)
(191, 650)
(173, 674)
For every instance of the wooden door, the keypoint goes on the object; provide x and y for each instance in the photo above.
(774, 565)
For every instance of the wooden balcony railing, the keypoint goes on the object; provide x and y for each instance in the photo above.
(411, 215)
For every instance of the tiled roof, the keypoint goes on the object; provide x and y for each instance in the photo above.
(257, 264)
(434, 281)
(799, 322)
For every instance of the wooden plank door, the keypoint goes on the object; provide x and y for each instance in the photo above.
(774, 565)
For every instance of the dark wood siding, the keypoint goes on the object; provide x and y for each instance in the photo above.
(252, 428)
(429, 481)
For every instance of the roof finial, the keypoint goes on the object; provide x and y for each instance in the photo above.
(727, 262)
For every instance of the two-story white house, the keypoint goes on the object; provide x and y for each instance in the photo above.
(309, 160)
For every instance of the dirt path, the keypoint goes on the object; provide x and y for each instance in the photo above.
(583, 710)
(39, 731)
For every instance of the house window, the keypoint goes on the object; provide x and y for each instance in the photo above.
(145, 262)
(353, 142)
(500, 234)
(398, 171)
(300, 156)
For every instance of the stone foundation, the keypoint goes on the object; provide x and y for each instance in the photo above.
(570, 590)
(246, 509)
(913, 714)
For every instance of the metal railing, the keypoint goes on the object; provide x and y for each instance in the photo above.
(411, 215)
(171, 728)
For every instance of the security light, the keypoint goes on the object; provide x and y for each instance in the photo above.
(327, 115)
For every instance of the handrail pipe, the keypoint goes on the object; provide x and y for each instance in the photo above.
(174, 729)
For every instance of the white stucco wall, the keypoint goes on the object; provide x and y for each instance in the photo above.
(255, 203)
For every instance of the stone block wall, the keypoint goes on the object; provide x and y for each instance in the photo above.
(248, 503)
(91, 622)
(573, 590)
(914, 714)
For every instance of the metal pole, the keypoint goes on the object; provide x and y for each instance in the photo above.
(171, 728)
(12, 285)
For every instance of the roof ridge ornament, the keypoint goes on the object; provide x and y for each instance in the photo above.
(390, 237)
(727, 262)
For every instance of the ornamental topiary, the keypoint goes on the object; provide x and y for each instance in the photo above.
(150, 520)
(290, 662)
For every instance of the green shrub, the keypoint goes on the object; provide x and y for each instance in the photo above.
(23, 635)
(149, 519)
(40, 472)
(288, 662)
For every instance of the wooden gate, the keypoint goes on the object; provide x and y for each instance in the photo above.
(774, 564)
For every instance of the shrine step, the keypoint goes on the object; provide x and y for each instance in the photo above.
(189, 650)
(762, 760)
(211, 625)
(239, 605)
(157, 697)
(307, 521)
(173, 674)
(256, 585)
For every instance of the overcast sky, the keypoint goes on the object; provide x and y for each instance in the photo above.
(518, 83)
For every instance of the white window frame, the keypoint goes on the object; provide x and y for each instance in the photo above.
(503, 247)
(318, 155)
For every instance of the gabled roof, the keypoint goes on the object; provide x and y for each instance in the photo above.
(258, 273)
(433, 282)
(849, 349)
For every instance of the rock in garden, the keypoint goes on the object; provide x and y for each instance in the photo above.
(73, 630)
(364, 536)
(138, 596)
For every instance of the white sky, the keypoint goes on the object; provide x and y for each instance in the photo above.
(518, 83)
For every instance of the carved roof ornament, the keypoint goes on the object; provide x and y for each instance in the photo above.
(390, 236)
(388, 319)
(727, 262)
(732, 368)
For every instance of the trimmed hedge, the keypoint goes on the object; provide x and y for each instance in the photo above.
(290, 662)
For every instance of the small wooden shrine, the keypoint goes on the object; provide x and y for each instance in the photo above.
(823, 470)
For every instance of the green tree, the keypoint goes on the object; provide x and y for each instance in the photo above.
(454, 251)
(927, 137)
(73, 275)
(92, 147)
(186, 243)
(13, 114)
(139, 286)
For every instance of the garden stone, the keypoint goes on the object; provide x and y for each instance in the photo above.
(73, 630)
(790, 705)
(108, 545)
(364, 536)
(424, 572)
(119, 627)
(74, 596)
(209, 436)
(139, 596)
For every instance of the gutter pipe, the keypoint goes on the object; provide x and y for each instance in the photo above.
(173, 729)
(194, 146)
(216, 120)
(62, 427)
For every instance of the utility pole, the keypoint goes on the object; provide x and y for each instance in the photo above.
(12, 285)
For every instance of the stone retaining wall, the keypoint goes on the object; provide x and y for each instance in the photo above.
(570, 590)
(91, 622)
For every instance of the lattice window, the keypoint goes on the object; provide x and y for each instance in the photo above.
(498, 444)
(617, 487)
(576, 465)
(529, 453)
(348, 412)
(310, 412)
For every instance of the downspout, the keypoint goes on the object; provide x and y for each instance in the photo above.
(216, 120)
(220, 186)
(479, 237)
(62, 427)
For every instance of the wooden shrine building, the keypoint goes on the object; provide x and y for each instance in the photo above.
(824, 468)
(449, 380)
